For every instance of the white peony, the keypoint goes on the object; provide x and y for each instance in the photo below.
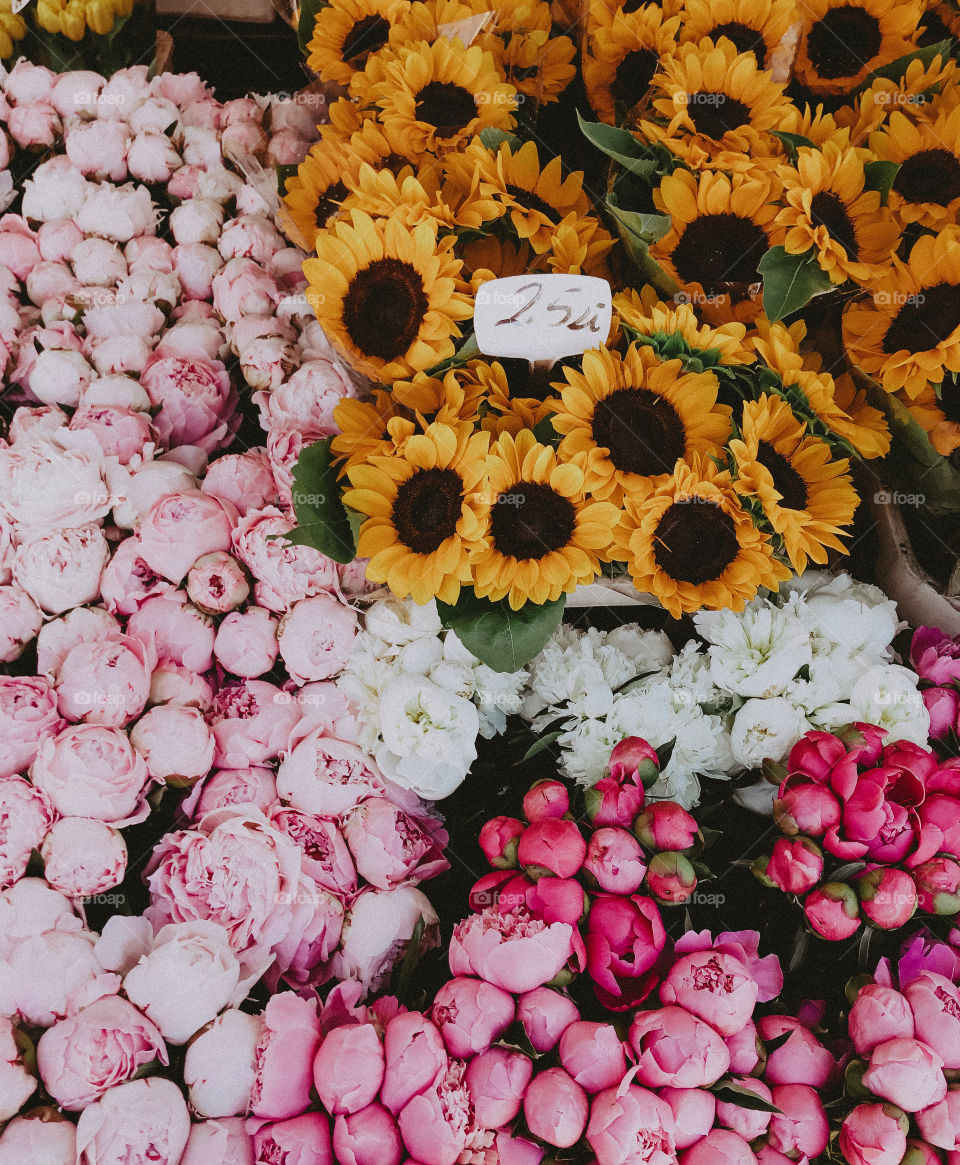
(885, 695)
(852, 615)
(429, 736)
(757, 652)
(399, 622)
(765, 730)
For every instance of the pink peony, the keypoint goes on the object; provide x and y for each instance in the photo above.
(631, 1126)
(251, 786)
(175, 743)
(326, 776)
(514, 951)
(555, 1108)
(440, 1124)
(935, 656)
(130, 1120)
(545, 1016)
(391, 846)
(471, 1014)
(934, 1002)
(28, 717)
(880, 1013)
(42, 1137)
(218, 1142)
(242, 478)
(315, 638)
(175, 630)
(552, 846)
(614, 860)
(377, 931)
(231, 1039)
(714, 986)
(106, 682)
(749, 1123)
(677, 1049)
(180, 528)
(20, 622)
(326, 858)
(800, 1128)
(720, 1147)
(195, 398)
(367, 1137)
(82, 857)
(251, 723)
(906, 1072)
(624, 939)
(940, 1122)
(801, 1059)
(103, 1045)
(593, 1054)
(302, 1140)
(694, 1111)
(283, 573)
(348, 1068)
(92, 771)
(284, 1057)
(414, 1059)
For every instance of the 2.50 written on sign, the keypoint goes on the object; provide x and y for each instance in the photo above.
(542, 317)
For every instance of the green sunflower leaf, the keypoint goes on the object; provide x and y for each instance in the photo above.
(503, 639)
(790, 281)
(620, 145)
(729, 1093)
(308, 17)
(322, 518)
(792, 141)
(881, 175)
(637, 230)
(493, 138)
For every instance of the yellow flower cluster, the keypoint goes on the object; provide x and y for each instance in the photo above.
(12, 28)
(72, 18)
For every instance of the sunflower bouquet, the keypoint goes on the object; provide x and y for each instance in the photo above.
(700, 445)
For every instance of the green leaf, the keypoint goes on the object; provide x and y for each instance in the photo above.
(898, 68)
(539, 745)
(410, 960)
(880, 175)
(645, 227)
(730, 1093)
(308, 18)
(545, 433)
(793, 142)
(777, 1041)
(790, 281)
(322, 519)
(937, 482)
(636, 230)
(467, 351)
(503, 639)
(493, 138)
(620, 145)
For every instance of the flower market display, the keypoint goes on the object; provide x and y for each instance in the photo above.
(450, 709)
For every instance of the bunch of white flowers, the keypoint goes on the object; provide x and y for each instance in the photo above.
(816, 655)
(422, 698)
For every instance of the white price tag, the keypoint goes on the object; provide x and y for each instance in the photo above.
(18, 6)
(467, 29)
(542, 317)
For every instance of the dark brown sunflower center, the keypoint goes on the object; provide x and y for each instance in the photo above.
(950, 399)
(924, 320)
(929, 176)
(632, 6)
(933, 30)
(530, 201)
(531, 520)
(695, 541)
(384, 308)
(720, 248)
(329, 202)
(786, 481)
(713, 114)
(842, 42)
(427, 508)
(633, 76)
(746, 39)
(366, 37)
(827, 210)
(641, 429)
(448, 108)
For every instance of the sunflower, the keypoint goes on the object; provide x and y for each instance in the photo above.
(926, 189)
(363, 427)
(720, 230)
(602, 13)
(346, 32)
(12, 28)
(314, 194)
(389, 296)
(922, 93)
(537, 200)
(754, 26)
(626, 421)
(842, 41)
(909, 335)
(828, 209)
(489, 258)
(434, 97)
(937, 412)
(580, 245)
(715, 103)
(426, 510)
(691, 544)
(539, 65)
(453, 399)
(834, 405)
(543, 536)
(816, 125)
(644, 312)
(806, 495)
(621, 60)
(508, 408)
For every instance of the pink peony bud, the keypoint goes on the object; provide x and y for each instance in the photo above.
(665, 825)
(694, 1111)
(552, 846)
(545, 1015)
(304, 1140)
(631, 1124)
(746, 1050)
(593, 1054)
(614, 861)
(471, 1014)
(801, 1059)
(348, 1068)
(832, 910)
(920, 1153)
(609, 802)
(888, 897)
(556, 900)
(879, 1014)
(415, 1058)
(624, 939)
(719, 1147)
(795, 865)
(497, 1080)
(499, 838)
(805, 807)
(874, 1134)
(801, 1128)
(555, 1108)
(943, 705)
(935, 1005)
(906, 1072)
(546, 799)
(367, 1137)
(748, 1122)
(216, 583)
(940, 1123)
(677, 1049)
(938, 886)
(635, 761)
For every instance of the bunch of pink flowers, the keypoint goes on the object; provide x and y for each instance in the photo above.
(935, 658)
(902, 1102)
(888, 815)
